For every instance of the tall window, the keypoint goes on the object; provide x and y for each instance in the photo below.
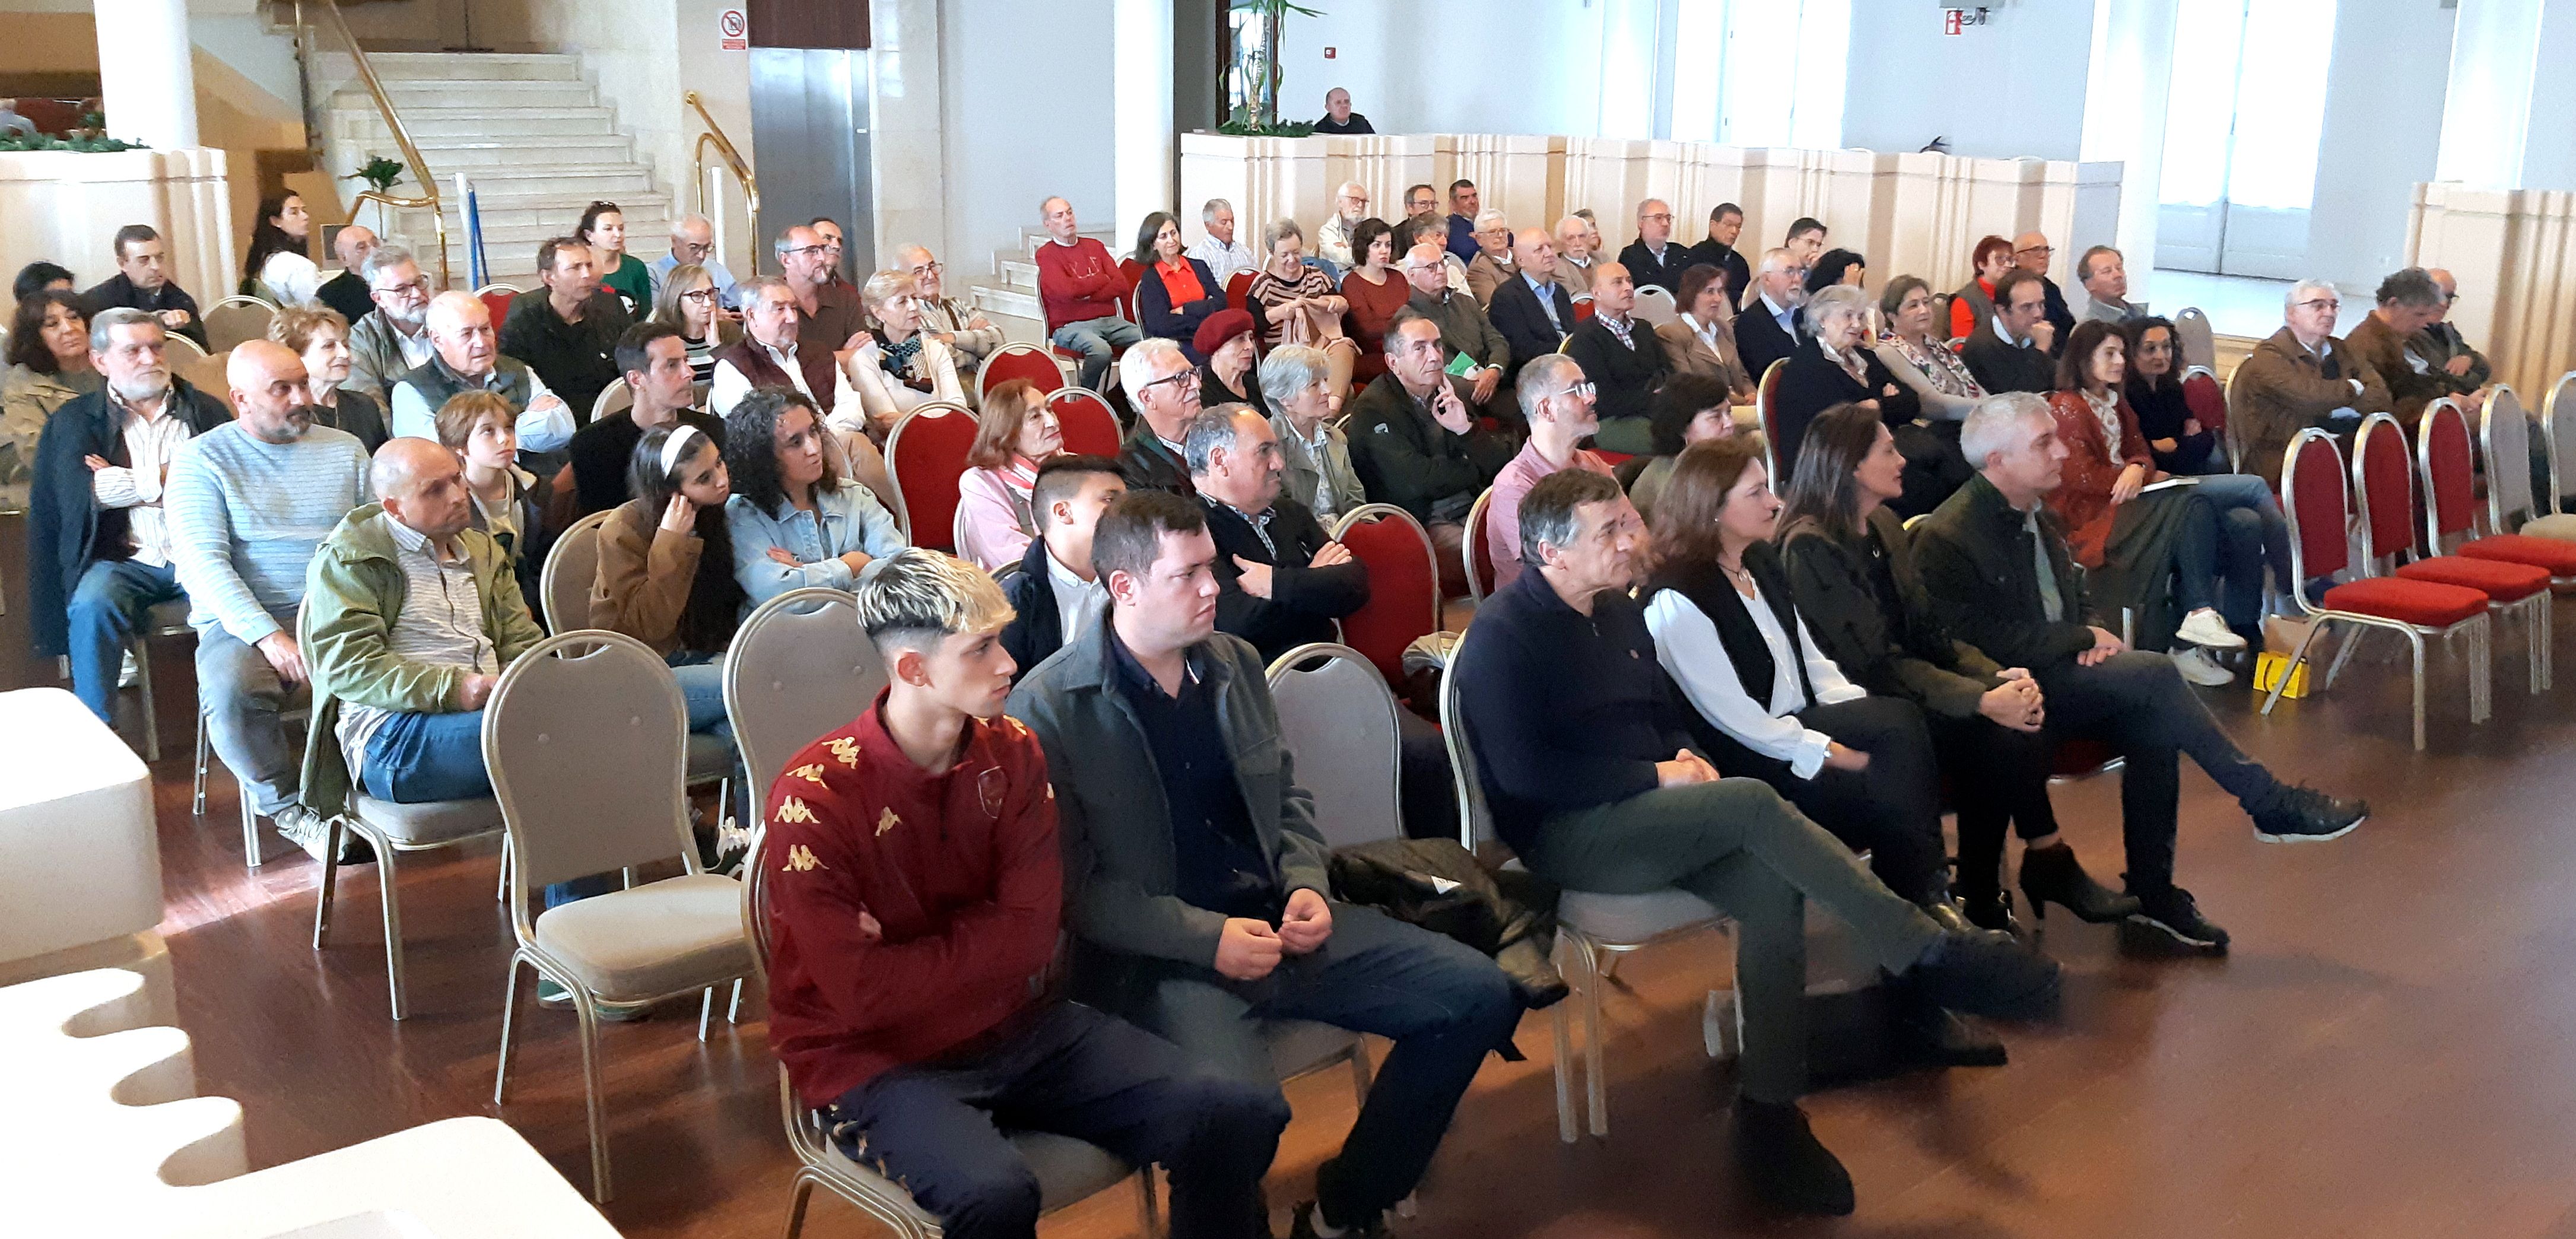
(2242, 122)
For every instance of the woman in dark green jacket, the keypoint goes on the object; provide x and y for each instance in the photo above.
(1855, 587)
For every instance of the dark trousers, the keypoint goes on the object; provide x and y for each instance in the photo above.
(1430, 797)
(938, 1126)
(1444, 1005)
(2136, 703)
(1998, 776)
(1892, 809)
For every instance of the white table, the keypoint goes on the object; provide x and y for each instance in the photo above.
(80, 864)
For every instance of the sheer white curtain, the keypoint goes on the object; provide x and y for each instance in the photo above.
(2242, 122)
(1781, 66)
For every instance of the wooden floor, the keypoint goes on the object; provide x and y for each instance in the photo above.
(2388, 1052)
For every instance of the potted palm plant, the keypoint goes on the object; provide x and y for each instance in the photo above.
(1253, 73)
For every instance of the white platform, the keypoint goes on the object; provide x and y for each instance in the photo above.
(79, 861)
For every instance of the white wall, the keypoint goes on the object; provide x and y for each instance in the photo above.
(1468, 79)
(1027, 104)
(2383, 126)
(2012, 87)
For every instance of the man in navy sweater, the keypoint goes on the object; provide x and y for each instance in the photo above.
(1596, 789)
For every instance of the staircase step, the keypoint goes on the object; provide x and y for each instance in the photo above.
(1015, 273)
(1018, 303)
(392, 67)
(449, 154)
(497, 94)
(368, 124)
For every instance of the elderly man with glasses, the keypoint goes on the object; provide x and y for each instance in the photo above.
(393, 341)
(969, 335)
(1560, 405)
(2302, 376)
(1333, 239)
(693, 240)
(1164, 387)
(832, 321)
(1653, 258)
(2032, 253)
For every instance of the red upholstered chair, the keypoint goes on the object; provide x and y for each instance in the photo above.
(2386, 487)
(1404, 584)
(1019, 361)
(2318, 507)
(2449, 467)
(2208, 404)
(497, 298)
(1766, 394)
(1090, 426)
(925, 455)
(1238, 291)
(1479, 557)
(1583, 308)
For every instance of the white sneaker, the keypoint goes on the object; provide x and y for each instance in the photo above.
(2196, 666)
(2204, 627)
(127, 674)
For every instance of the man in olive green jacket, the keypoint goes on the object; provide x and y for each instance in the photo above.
(410, 615)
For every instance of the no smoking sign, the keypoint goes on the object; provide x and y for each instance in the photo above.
(734, 30)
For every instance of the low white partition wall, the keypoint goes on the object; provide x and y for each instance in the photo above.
(1918, 214)
(2513, 252)
(65, 207)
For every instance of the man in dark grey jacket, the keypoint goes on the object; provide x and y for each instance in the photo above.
(1196, 887)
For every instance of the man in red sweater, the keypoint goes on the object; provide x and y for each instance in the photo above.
(1080, 285)
(914, 907)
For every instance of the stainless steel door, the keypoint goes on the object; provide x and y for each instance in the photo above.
(809, 140)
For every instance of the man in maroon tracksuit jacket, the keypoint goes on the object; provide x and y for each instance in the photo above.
(915, 897)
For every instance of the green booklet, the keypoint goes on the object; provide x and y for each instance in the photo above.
(1462, 365)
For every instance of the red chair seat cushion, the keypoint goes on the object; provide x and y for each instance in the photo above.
(2407, 601)
(2496, 579)
(2556, 557)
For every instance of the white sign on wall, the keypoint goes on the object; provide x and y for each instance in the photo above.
(733, 30)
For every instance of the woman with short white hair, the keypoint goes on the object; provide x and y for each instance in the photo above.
(1834, 365)
(1314, 458)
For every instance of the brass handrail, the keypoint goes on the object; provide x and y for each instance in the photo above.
(734, 163)
(428, 181)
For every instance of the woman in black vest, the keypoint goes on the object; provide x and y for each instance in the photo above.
(1849, 564)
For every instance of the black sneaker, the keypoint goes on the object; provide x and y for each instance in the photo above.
(1784, 1164)
(2169, 921)
(2305, 815)
(1986, 974)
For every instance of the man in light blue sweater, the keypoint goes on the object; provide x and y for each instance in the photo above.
(248, 503)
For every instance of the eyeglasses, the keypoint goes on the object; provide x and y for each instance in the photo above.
(1583, 390)
(804, 249)
(2036, 249)
(929, 268)
(699, 294)
(1663, 218)
(2325, 302)
(417, 288)
(699, 248)
(1186, 379)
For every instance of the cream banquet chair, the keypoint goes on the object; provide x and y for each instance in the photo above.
(1655, 305)
(2192, 336)
(571, 568)
(799, 667)
(235, 319)
(2505, 441)
(584, 738)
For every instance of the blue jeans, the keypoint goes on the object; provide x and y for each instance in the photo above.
(1097, 340)
(414, 758)
(107, 609)
(702, 685)
(2250, 536)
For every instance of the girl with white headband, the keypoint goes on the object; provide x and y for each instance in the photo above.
(666, 564)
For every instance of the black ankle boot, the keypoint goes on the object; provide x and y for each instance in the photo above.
(1784, 1164)
(1990, 909)
(2051, 875)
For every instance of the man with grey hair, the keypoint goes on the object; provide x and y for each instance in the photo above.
(1767, 330)
(1281, 579)
(1998, 575)
(1314, 457)
(1219, 248)
(1333, 239)
(771, 353)
(1653, 258)
(2460, 368)
(249, 502)
(969, 335)
(693, 240)
(1416, 443)
(1079, 285)
(830, 319)
(347, 291)
(1559, 404)
(2301, 376)
(1493, 264)
(2105, 276)
(1465, 331)
(98, 546)
(1530, 307)
(468, 358)
(1574, 255)
(1164, 388)
(2408, 302)
(393, 340)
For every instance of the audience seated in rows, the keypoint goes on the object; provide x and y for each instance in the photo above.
(1834, 365)
(142, 282)
(1213, 916)
(1533, 313)
(2298, 377)
(1996, 565)
(1014, 437)
(895, 365)
(509, 506)
(1416, 445)
(277, 268)
(1176, 293)
(2105, 277)
(970, 336)
(1725, 224)
(1229, 375)
(49, 367)
(347, 291)
(248, 503)
(1851, 568)
(1622, 357)
(693, 244)
(98, 538)
(1596, 791)
(1687, 409)
(665, 574)
(1055, 591)
(2176, 439)
(1164, 388)
(2012, 349)
(1218, 248)
(603, 229)
(772, 353)
(1768, 329)
(1653, 259)
(393, 340)
(1295, 302)
(466, 359)
(318, 335)
(1314, 454)
(653, 358)
(1702, 340)
(1493, 264)
(795, 519)
(1974, 304)
(568, 336)
(1465, 331)
(1559, 404)
(1375, 289)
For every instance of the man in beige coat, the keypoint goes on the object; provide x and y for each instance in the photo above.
(2300, 377)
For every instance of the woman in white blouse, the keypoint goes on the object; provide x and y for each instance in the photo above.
(276, 267)
(1769, 703)
(898, 367)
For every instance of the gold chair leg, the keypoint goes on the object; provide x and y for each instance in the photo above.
(798, 1201)
(386, 886)
(330, 879)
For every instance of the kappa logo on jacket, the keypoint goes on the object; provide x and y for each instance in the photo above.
(800, 859)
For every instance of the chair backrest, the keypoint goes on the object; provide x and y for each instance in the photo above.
(617, 397)
(2206, 400)
(2383, 484)
(2558, 431)
(1338, 720)
(1090, 426)
(1475, 822)
(1404, 584)
(755, 901)
(1478, 558)
(925, 455)
(2317, 507)
(2234, 439)
(1655, 305)
(799, 667)
(586, 739)
(1018, 361)
(571, 568)
(1130, 271)
(1766, 400)
(235, 319)
(183, 349)
(2193, 338)
(204, 371)
(496, 298)
(1238, 291)
(2504, 433)
(1583, 308)
(2450, 472)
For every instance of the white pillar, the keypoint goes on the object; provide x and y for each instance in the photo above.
(144, 72)
(1141, 115)
(2124, 119)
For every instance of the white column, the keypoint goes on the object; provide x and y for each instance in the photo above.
(1141, 106)
(2124, 120)
(144, 72)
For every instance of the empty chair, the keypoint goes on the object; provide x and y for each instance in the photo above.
(2558, 439)
(1089, 425)
(497, 298)
(2513, 512)
(1655, 305)
(570, 569)
(799, 666)
(1338, 719)
(1404, 584)
(584, 738)
(235, 319)
(2318, 507)
(925, 454)
(1478, 558)
(2192, 336)
(2208, 404)
(1018, 361)
(2385, 492)
(2449, 466)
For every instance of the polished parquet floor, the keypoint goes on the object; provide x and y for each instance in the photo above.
(2388, 1051)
